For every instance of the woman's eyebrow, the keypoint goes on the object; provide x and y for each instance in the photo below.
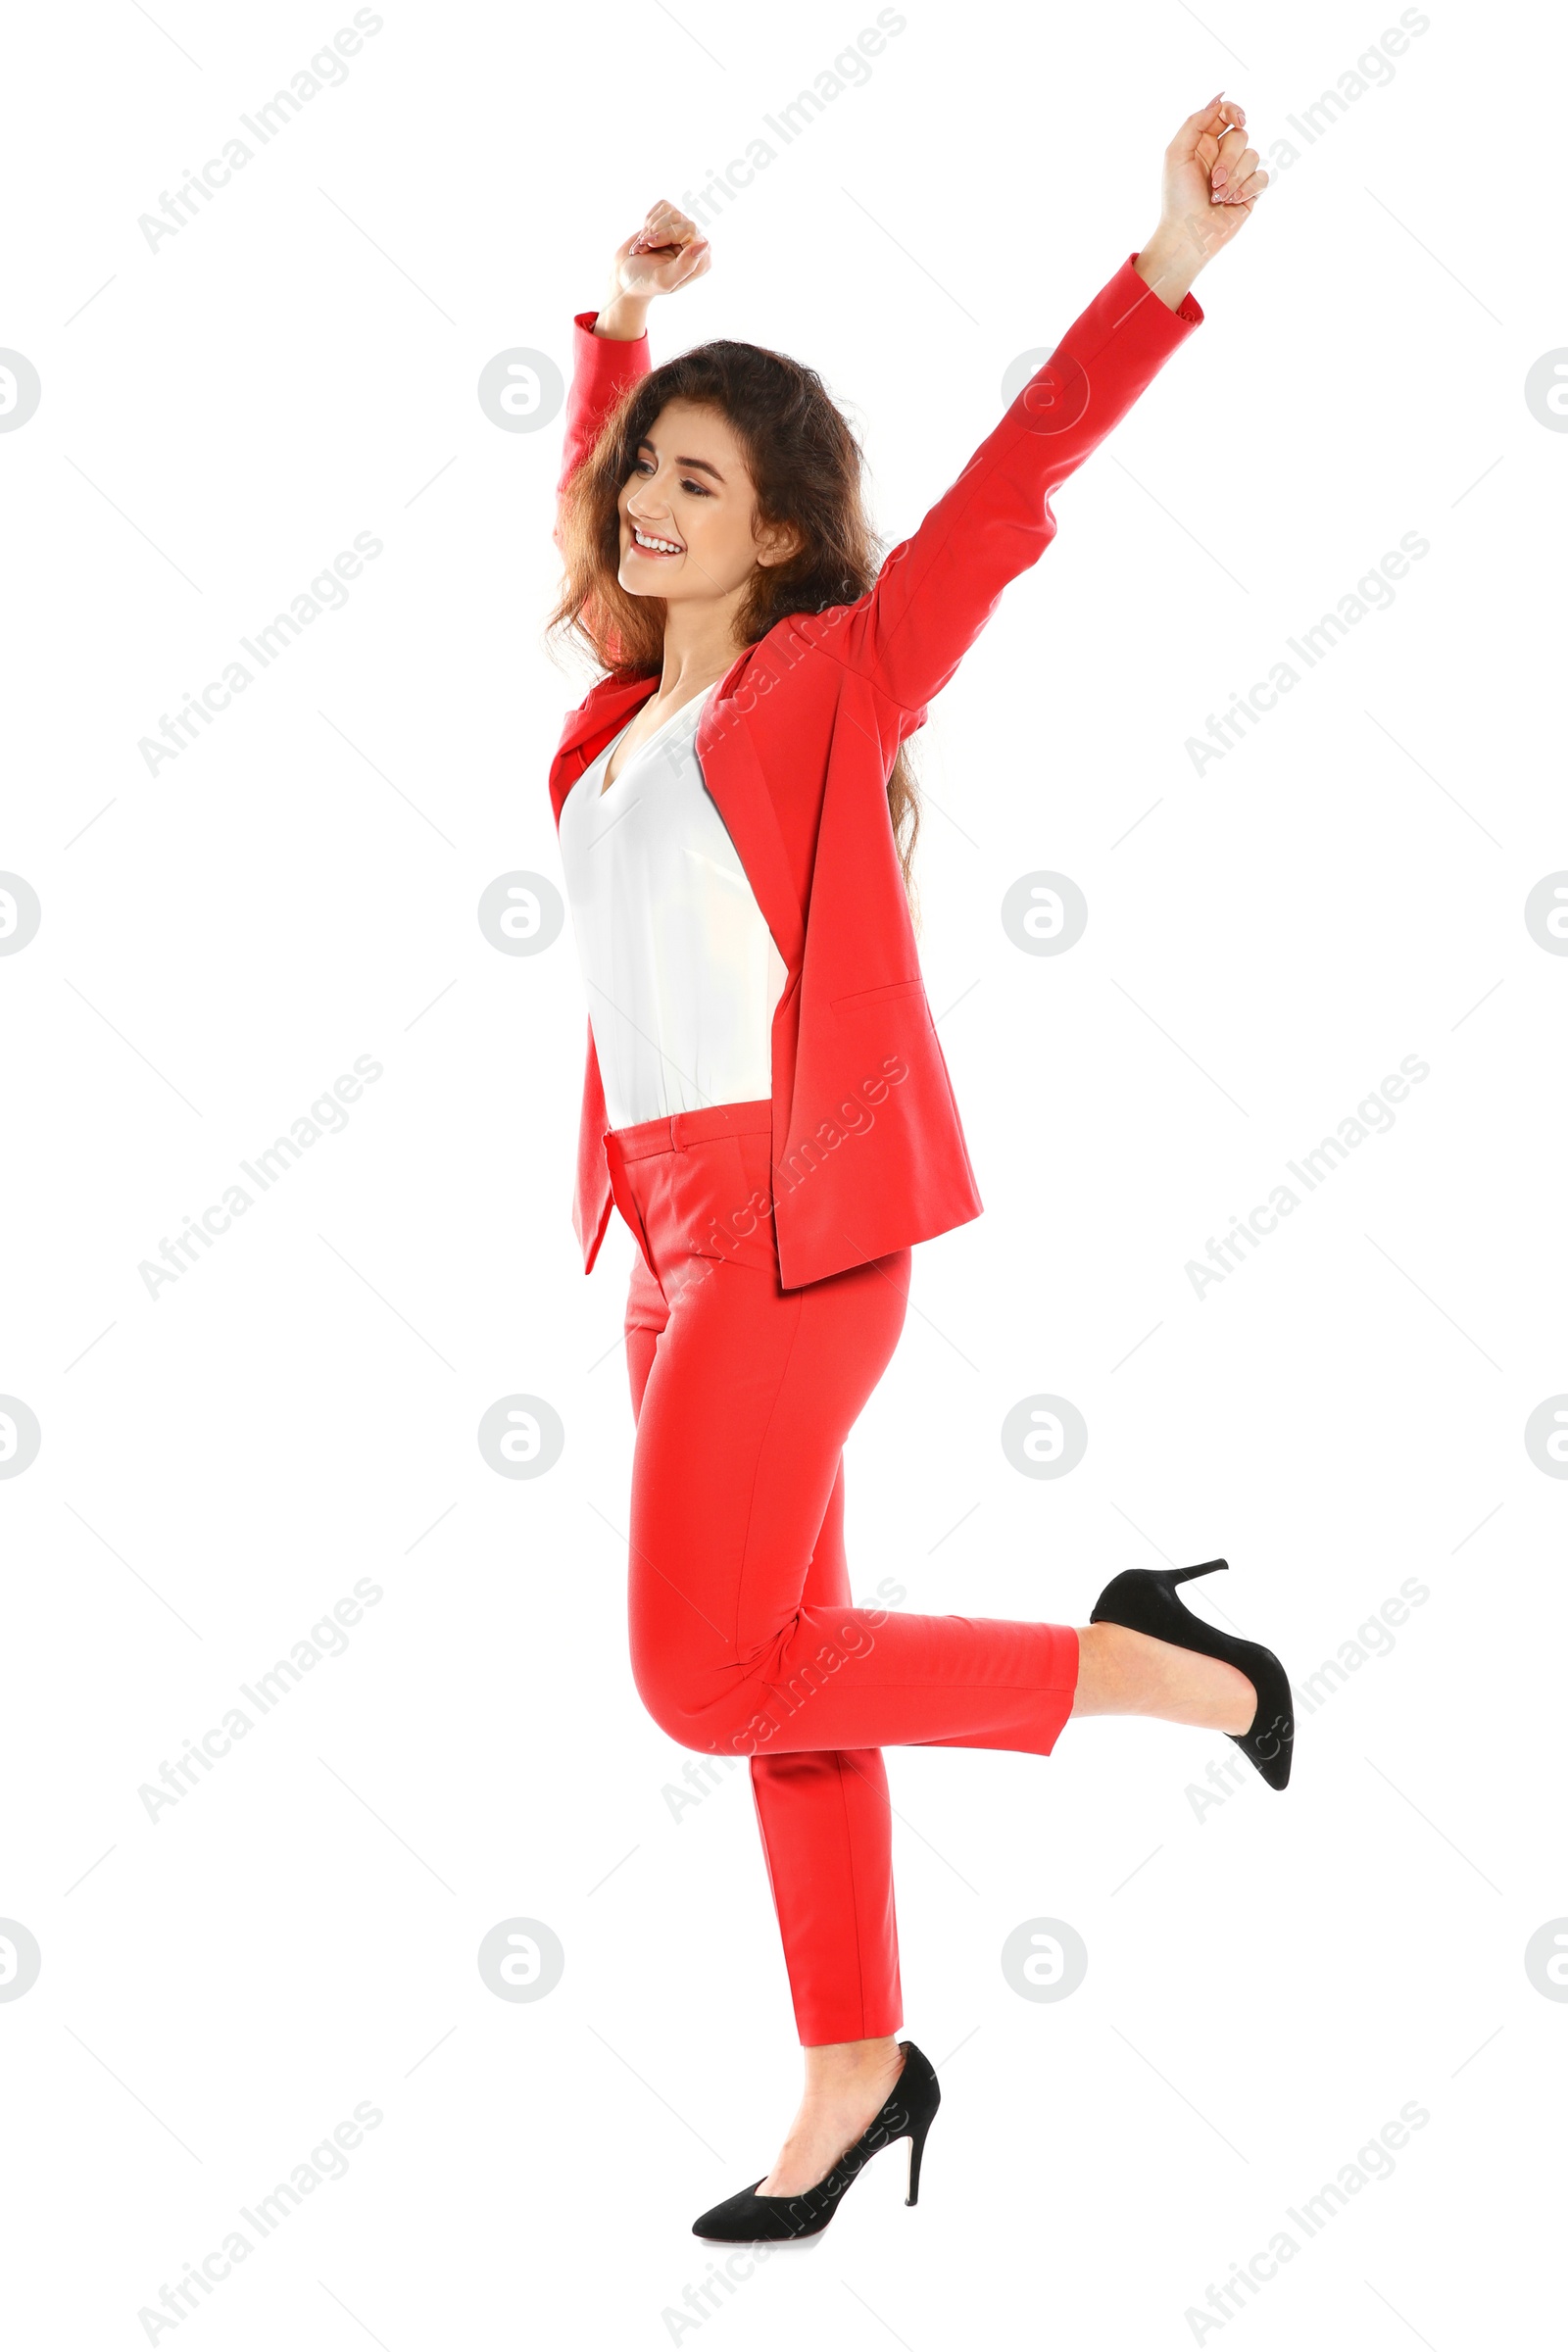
(695, 464)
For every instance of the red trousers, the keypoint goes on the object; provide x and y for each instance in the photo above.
(744, 1637)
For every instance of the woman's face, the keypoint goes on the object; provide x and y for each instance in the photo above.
(688, 510)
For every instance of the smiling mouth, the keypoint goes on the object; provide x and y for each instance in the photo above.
(647, 545)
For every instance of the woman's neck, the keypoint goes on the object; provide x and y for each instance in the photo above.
(700, 646)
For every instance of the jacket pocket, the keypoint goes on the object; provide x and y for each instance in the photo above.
(867, 997)
(886, 1035)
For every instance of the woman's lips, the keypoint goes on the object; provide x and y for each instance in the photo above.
(654, 555)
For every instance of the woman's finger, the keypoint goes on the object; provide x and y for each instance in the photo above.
(690, 263)
(1210, 122)
(665, 224)
(670, 223)
(1197, 122)
(1232, 147)
(1234, 172)
(1246, 191)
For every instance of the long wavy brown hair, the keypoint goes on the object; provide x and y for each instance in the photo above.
(805, 468)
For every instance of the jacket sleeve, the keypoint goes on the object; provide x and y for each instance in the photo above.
(601, 371)
(936, 590)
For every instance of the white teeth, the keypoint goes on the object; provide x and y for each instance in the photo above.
(665, 547)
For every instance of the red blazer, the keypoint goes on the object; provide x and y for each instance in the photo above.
(796, 747)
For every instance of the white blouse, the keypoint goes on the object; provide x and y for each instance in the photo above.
(681, 970)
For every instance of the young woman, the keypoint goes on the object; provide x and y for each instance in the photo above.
(766, 1103)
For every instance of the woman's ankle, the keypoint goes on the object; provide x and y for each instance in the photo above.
(1122, 1672)
(831, 2064)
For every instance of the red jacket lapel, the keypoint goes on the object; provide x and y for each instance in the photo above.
(602, 713)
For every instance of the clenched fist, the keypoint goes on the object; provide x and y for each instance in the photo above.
(665, 254)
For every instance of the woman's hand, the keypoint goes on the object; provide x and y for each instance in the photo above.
(1210, 185)
(665, 254)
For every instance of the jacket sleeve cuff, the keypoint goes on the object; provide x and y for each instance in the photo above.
(1112, 352)
(1190, 308)
(602, 357)
(1127, 305)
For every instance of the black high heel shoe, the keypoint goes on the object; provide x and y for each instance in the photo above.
(1145, 1601)
(746, 2218)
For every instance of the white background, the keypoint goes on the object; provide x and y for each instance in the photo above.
(1270, 1979)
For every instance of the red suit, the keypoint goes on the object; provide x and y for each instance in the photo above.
(775, 1235)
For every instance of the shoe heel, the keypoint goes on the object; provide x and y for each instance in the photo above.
(916, 2151)
(1180, 1576)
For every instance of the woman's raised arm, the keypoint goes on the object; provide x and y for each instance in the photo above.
(610, 346)
(938, 588)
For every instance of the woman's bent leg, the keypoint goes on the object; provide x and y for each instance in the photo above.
(752, 1396)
